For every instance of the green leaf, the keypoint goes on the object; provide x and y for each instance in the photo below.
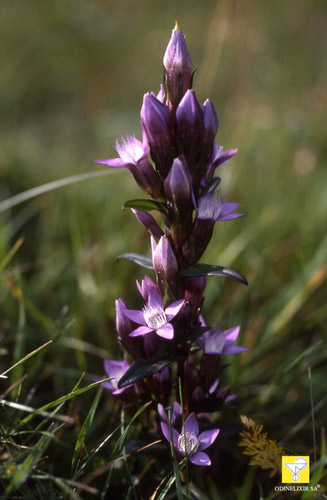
(143, 368)
(141, 260)
(146, 206)
(24, 469)
(210, 270)
(85, 427)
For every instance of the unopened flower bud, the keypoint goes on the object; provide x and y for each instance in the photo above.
(178, 187)
(178, 66)
(190, 128)
(211, 124)
(157, 124)
(164, 261)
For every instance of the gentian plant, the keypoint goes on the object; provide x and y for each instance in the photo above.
(170, 356)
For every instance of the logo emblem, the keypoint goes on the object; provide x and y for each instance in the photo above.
(295, 469)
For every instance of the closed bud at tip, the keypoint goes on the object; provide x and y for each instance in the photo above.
(178, 66)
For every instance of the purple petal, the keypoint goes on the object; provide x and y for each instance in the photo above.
(141, 330)
(234, 349)
(191, 424)
(166, 331)
(162, 413)
(206, 438)
(135, 315)
(114, 163)
(231, 335)
(200, 458)
(174, 308)
(155, 298)
(168, 432)
(230, 217)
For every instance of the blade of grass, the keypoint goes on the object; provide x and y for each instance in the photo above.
(29, 409)
(25, 358)
(65, 398)
(5, 261)
(85, 427)
(50, 186)
(24, 469)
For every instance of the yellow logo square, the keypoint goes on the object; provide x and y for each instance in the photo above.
(295, 469)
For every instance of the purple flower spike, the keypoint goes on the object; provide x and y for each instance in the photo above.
(157, 123)
(178, 66)
(220, 341)
(189, 443)
(116, 370)
(154, 318)
(133, 156)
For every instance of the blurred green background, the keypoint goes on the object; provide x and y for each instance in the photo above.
(73, 74)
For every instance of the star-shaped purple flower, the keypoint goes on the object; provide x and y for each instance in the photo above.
(116, 370)
(153, 317)
(189, 443)
(220, 341)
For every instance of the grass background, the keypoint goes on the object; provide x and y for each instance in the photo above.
(72, 79)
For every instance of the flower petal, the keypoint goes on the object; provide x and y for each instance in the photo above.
(135, 315)
(174, 308)
(234, 349)
(155, 298)
(200, 458)
(114, 163)
(191, 424)
(170, 432)
(206, 438)
(166, 331)
(141, 330)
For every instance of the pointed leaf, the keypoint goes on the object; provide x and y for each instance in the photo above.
(210, 270)
(146, 206)
(141, 260)
(143, 368)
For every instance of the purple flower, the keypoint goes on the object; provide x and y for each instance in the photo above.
(189, 443)
(194, 288)
(220, 341)
(174, 415)
(211, 209)
(116, 370)
(124, 327)
(134, 156)
(154, 318)
(157, 124)
(178, 66)
(218, 157)
(147, 284)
